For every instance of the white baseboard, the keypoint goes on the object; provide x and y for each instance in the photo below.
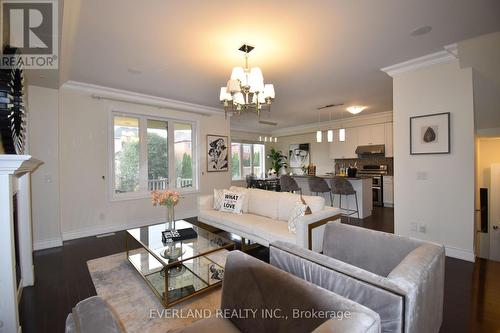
(460, 253)
(47, 243)
(99, 230)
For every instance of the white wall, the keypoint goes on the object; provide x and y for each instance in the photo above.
(483, 53)
(444, 202)
(43, 122)
(85, 205)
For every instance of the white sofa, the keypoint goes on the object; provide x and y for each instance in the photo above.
(265, 218)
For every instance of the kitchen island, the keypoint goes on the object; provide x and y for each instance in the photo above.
(362, 186)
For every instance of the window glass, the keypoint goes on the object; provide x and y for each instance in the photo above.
(236, 161)
(183, 147)
(258, 160)
(157, 142)
(246, 159)
(126, 154)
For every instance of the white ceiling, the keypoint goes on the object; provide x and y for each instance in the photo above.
(315, 52)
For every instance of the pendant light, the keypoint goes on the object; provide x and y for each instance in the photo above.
(329, 133)
(319, 134)
(341, 129)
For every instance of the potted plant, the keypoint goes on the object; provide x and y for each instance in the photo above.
(278, 160)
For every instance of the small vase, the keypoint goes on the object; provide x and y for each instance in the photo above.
(170, 218)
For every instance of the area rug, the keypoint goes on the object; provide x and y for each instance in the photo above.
(137, 306)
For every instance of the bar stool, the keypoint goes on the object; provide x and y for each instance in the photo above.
(342, 186)
(319, 185)
(250, 179)
(288, 184)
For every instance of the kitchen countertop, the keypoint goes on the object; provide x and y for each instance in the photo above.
(330, 176)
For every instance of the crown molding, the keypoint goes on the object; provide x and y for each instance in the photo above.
(355, 121)
(134, 97)
(450, 53)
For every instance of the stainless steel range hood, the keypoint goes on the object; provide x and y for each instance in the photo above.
(371, 150)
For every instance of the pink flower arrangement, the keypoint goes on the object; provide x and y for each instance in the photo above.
(165, 198)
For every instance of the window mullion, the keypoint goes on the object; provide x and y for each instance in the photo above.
(172, 177)
(143, 154)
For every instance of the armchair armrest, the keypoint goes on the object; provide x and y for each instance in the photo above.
(356, 323)
(205, 202)
(252, 284)
(373, 291)
(421, 275)
(310, 228)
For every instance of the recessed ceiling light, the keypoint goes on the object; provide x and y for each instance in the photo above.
(421, 31)
(42, 76)
(133, 70)
(355, 109)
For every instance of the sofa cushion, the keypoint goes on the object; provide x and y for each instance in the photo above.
(288, 200)
(316, 203)
(264, 203)
(245, 200)
(215, 324)
(275, 231)
(286, 204)
(243, 222)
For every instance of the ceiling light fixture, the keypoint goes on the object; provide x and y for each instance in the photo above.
(329, 133)
(319, 134)
(245, 90)
(341, 129)
(355, 109)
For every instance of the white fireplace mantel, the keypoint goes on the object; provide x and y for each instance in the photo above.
(18, 164)
(15, 170)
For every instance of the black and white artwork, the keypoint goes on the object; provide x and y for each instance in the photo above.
(217, 153)
(298, 155)
(430, 134)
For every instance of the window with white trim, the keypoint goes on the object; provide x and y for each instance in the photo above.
(247, 159)
(151, 153)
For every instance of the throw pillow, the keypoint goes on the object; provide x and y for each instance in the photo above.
(247, 196)
(218, 197)
(232, 202)
(308, 209)
(298, 211)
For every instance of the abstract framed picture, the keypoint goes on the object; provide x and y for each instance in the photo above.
(430, 134)
(217, 153)
(298, 155)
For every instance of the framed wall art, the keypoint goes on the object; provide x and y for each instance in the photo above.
(430, 134)
(217, 153)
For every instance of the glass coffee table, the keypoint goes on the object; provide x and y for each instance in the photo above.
(179, 270)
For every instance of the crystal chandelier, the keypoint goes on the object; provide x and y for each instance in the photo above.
(246, 91)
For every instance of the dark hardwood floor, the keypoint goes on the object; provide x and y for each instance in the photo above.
(472, 291)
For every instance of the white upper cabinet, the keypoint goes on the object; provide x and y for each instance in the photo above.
(389, 150)
(378, 134)
(371, 135)
(347, 148)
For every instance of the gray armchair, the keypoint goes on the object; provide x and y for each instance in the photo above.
(93, 315)
(400, 278)
(252, 284)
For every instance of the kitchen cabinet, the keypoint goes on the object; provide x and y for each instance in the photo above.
(347, 148)
(371, 135)
(388, 185)
(389, 148)
(379, 134)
